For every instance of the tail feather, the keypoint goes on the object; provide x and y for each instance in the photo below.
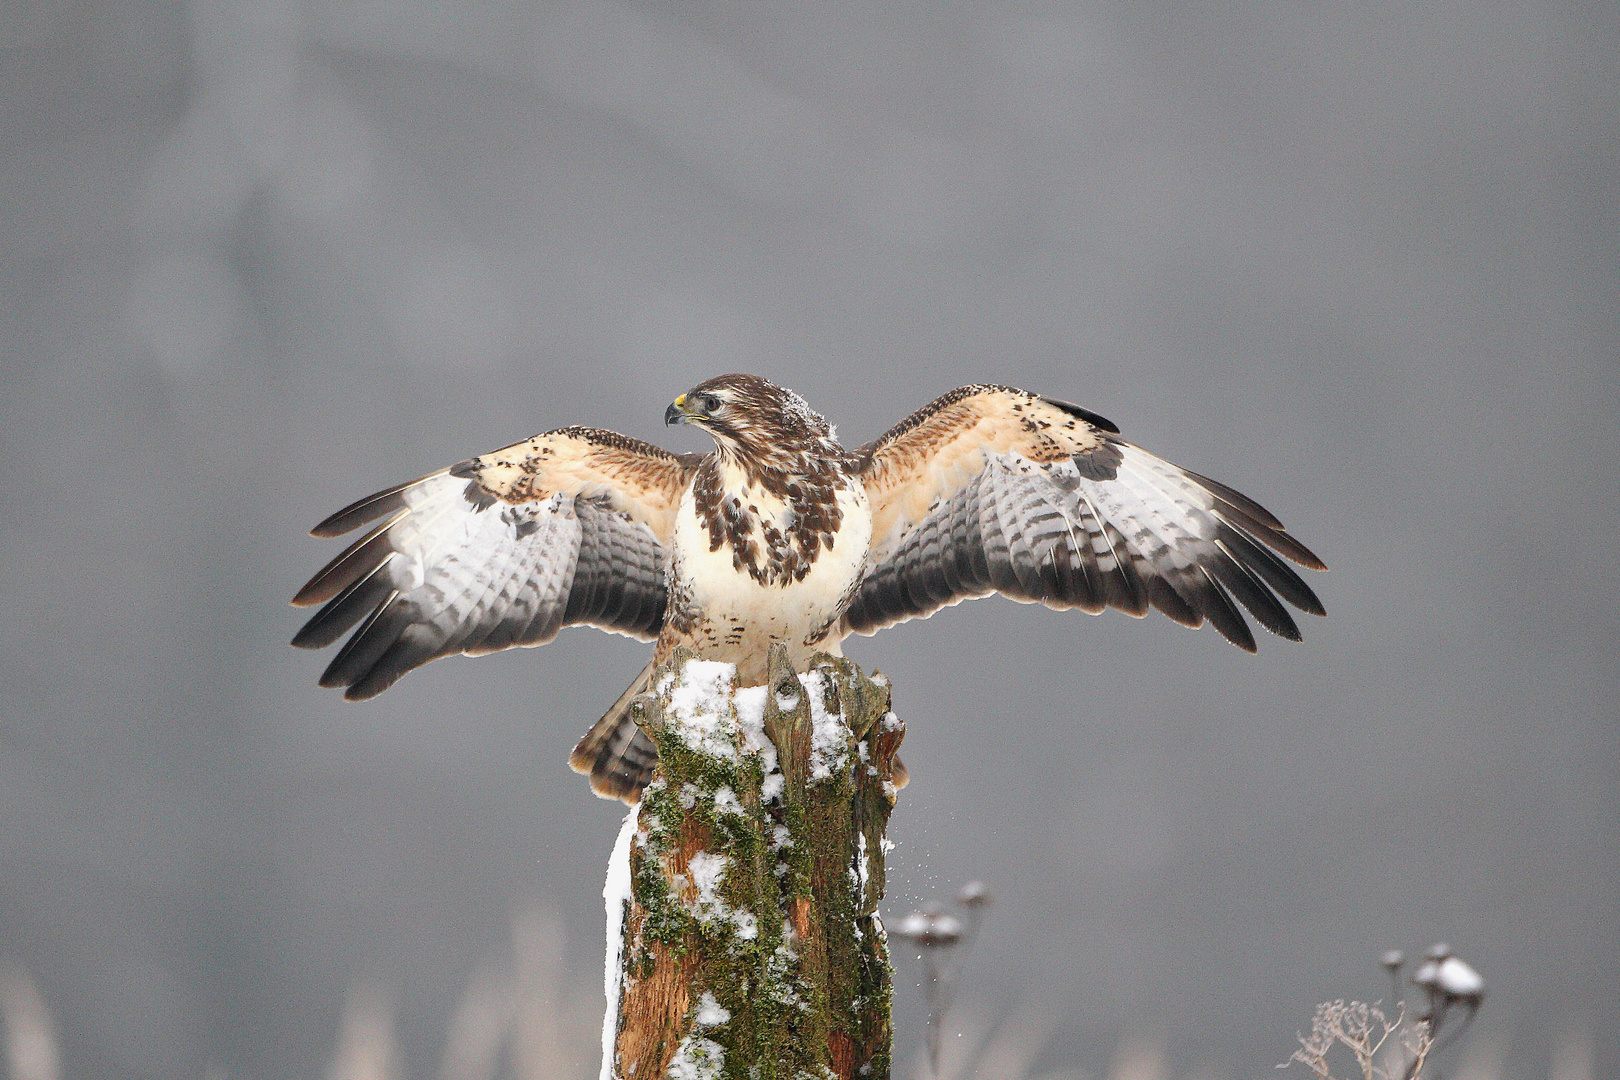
(615, 753)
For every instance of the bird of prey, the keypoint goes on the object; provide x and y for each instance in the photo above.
(782, 534)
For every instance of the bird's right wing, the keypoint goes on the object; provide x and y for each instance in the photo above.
(567, 528)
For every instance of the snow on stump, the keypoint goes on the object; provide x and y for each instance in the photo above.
(747, 942)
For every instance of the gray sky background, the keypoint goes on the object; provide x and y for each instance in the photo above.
(1361, 261)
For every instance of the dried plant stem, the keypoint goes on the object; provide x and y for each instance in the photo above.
(1365, 1031)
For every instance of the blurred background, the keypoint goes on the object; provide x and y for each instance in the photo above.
(259, 258)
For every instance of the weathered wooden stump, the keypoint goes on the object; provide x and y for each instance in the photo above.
(749, 945)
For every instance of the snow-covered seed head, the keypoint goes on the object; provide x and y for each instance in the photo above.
(929, 929)
(975, 894)
(1456, 978)
(1438, 952)
(1427, 974)
(1393, 959)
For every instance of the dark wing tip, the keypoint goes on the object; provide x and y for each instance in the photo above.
(1236, 498)
(1309, 603)
(366, 690)
(465, 470)
(1087, 415)
(304, 639)
(1282, 541)
(1311, 562)
(1259, 521)
(1226, 617)
(315, 591)
(369, 508)
(356, 514)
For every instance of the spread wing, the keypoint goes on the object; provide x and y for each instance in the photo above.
(568, 528)
(991, 489)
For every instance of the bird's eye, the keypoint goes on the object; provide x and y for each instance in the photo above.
(708, 403)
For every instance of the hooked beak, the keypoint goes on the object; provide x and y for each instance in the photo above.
(675, 414)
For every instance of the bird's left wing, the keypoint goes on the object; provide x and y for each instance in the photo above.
(567, 528)
(991, 489)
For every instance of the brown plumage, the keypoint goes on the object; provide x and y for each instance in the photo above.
(780, 534)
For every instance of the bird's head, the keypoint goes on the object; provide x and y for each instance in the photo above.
(751, 415)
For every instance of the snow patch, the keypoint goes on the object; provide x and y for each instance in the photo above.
(750, 703)
(707, 871)
(829, 734)
(616, 897)
(700, 712)
(713, 717)
(697, 1058)
(710, 1013)
(752, 724)
(726, 801)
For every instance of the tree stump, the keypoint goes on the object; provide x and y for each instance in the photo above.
(749, 944)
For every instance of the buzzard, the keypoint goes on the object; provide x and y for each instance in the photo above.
(782, 534)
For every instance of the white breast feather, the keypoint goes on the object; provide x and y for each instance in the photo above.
(725, 595)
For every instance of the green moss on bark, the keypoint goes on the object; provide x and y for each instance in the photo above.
(756, 873)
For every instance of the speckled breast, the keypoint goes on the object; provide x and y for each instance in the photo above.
(729, 601)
